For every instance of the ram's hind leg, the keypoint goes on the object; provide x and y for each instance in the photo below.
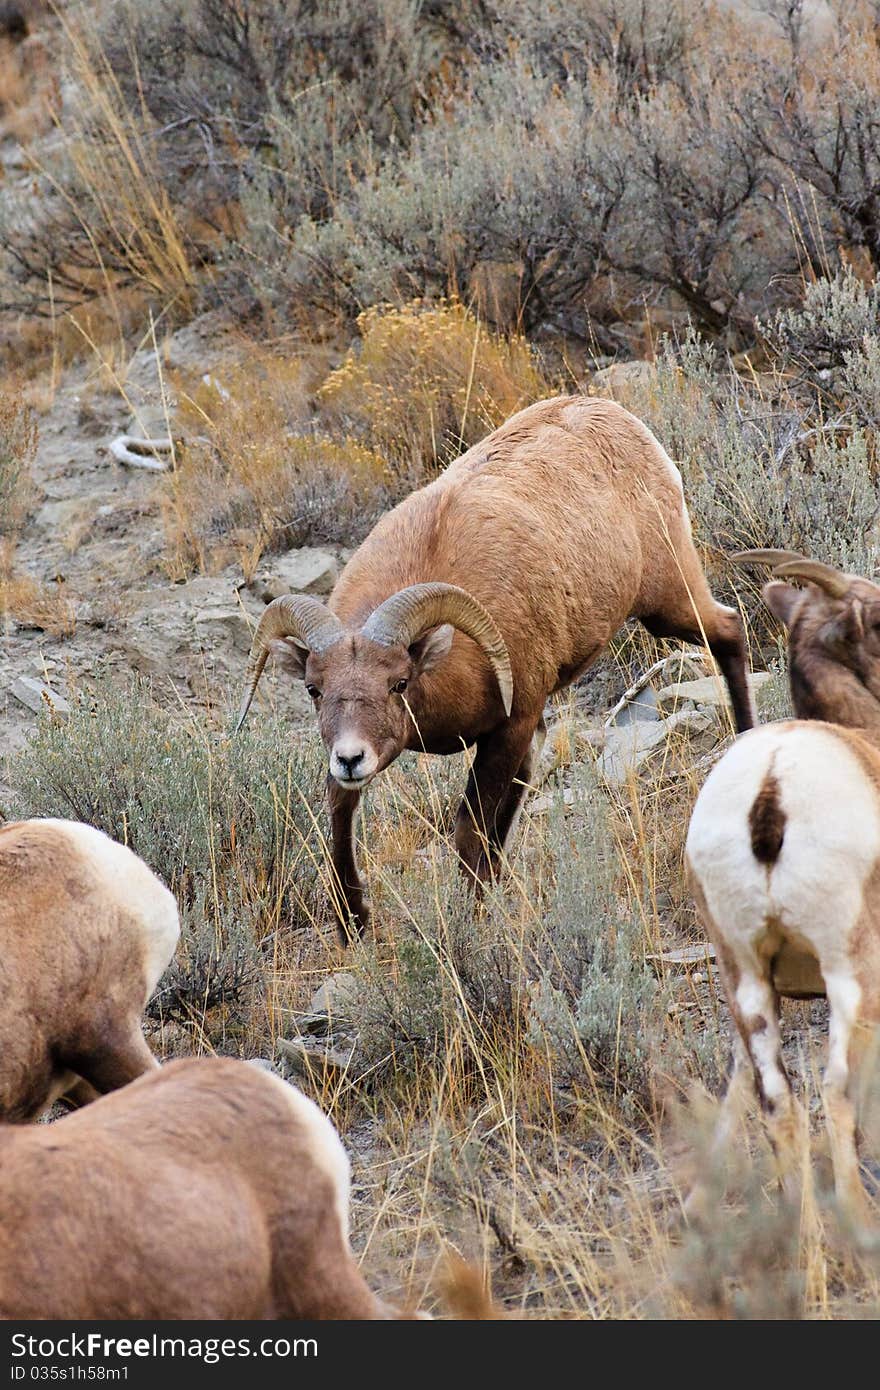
(850, 1036)
(755, 1008)
(493, 798)
(117, 1057)
(692, 615)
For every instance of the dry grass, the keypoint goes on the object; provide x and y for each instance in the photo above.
(568, 1205)
(35, 352)
(428, 380)
(18, 445)
(111, 152)
(32, 604)
(496, 1110)
(254, 475)
(253, 478)
(105, 201)
(28, 88)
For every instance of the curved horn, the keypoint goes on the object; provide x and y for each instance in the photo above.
(308, 621)
(765, 557)
(407, 614)
(831, 580)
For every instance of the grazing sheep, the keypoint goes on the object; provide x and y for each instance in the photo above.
(783, 854)
(86, 930)
(478, 597)
(209, 1189)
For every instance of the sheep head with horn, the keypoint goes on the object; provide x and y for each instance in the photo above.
(834, 632)
(366, 684)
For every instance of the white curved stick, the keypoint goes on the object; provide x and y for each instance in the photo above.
(134, 452)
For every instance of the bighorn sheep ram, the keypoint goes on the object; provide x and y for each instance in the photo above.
(210, 1189)
(86, 930)
(483, 593)
(783, 854)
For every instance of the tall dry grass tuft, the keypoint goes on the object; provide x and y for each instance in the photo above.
(103, 198)
(428, 380)
(18, 445)
(111, 151)
(32, 604)
(255, 477)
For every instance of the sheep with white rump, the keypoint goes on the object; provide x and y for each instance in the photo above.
(86, 930)
(783, 855)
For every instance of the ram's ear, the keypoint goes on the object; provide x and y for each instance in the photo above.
(290, 656)
(845, 633)
(431, 648)
(783, 600)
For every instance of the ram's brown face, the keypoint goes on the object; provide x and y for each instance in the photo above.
(366, 696)
(366, 683)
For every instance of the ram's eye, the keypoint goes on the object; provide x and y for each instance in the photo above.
(399, 686)
(313, 692)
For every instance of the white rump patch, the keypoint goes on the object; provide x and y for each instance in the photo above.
(326, 1147)
(831, 840)
(133, 887)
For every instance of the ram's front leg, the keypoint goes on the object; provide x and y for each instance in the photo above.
(496, 787)
(346, 891)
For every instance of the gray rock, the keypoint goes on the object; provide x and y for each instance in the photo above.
(58, 516)
(179, 627)
(691, 721)
(311, 1061)
(627, 748)
(621, 375)
(151, 421)
(570, 797)
(308, 570)
(331, 1005)
(642, 707)
(686, 955)
(336, 995)
(710, 690)
(223, 624)
(201, 345)
(37, 696)
(632, 745)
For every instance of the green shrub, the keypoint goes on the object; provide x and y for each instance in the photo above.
(643, 41)
(595, 1000)
(761, 466)
(564, 181)
(552, 958)
(837, 315)
(217, 969)
(195, 806)
(829, 347)
(505, 174)
(227, 823)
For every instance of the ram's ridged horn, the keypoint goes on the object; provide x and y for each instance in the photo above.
(765, 557)
(308, 621)
(409, 613)
(831, 580)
